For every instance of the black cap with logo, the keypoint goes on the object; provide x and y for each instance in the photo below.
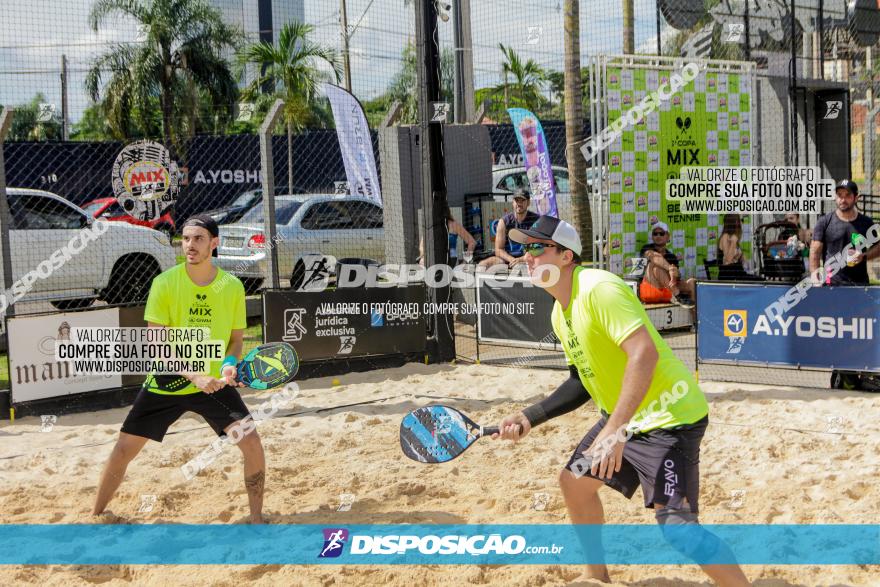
(847, 184)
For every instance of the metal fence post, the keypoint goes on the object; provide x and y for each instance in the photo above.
(267, 171)
(5, 218)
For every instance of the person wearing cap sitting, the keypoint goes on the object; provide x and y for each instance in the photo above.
(662, 282)
(507, 251)
(653, 414)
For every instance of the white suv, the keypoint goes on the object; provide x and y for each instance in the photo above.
(117, 267)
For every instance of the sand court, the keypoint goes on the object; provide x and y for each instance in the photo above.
(772, 455)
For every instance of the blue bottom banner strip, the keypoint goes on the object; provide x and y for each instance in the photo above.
(81, 544)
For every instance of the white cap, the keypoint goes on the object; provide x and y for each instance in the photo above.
(660, 225)
(548, 227)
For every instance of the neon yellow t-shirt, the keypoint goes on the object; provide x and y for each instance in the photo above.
(177, 302)
(602, 313)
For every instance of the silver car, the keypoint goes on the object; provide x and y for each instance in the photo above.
(347, 227)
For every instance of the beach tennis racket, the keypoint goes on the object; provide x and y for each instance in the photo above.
(267, 366)
(438, 434)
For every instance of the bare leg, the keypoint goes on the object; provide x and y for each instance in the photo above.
(723, 575)
(688, 287)
(127, 448)
(584, 507)
(657, 276)
(254, 473)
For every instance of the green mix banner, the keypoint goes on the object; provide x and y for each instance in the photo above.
(702, 119)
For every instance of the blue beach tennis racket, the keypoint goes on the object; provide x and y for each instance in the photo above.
(438, 434)
(267, 366)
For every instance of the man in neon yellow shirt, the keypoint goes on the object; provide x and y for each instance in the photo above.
(183, 297)
(653, 414)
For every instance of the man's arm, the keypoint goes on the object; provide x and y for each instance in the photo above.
(203, 381)
(641, 358)
(660, 261)
(816, 250)
(570, 395)
(501, 242)
(236, 344)
(234, 348)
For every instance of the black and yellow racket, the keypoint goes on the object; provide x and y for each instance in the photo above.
(269, 365)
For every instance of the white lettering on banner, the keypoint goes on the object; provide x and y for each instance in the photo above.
(354, 142)
(227, 176)
(439, 545)
(817, 327)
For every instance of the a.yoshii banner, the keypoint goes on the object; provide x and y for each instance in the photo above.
(354, 140)
(530, 135)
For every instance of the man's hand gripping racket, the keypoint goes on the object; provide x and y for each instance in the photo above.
(438, 434)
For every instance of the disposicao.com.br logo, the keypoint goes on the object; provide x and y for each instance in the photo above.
(432, 545)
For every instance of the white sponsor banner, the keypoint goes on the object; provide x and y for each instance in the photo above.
(33, 371)
(355, 143)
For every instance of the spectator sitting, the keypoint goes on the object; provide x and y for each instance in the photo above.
(507, 251)
(662, 281)
(729, 252)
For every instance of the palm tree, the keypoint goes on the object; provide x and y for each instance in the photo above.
(574, 125)
(291, 68)
(404, 87)
(525, 88)
(181, 55)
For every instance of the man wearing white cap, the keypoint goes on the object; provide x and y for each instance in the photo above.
(662, 282)
(653, 413)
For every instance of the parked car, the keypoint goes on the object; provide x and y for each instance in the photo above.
(117, 267)
(346, 227)
(109, 209)
(506, 180)
(234, 211)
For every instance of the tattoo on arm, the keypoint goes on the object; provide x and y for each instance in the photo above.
(255, 483)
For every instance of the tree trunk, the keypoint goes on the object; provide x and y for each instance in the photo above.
(165, 104)
(166, 117)
(289, 157)
(629, 43)
(574, 128)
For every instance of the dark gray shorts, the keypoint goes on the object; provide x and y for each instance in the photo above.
(665, 462)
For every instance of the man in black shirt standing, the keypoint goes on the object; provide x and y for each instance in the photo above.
(832, 233)
(662, 282)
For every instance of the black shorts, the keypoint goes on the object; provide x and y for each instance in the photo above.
(153, 413)
(665, 462)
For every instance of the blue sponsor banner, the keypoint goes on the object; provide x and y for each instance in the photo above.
(821, 327)
(83, 544)
(536, 155)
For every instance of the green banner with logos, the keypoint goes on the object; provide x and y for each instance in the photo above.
(706, 122)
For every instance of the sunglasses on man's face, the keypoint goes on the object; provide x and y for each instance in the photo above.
(658, 234)
(537, 249)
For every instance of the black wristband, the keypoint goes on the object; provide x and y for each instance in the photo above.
(535, 414)
(570, 395)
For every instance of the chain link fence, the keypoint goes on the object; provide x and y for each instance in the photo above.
(84, 131)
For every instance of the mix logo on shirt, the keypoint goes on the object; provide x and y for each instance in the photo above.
(200, 311)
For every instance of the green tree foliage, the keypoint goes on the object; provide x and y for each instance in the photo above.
(25, 126)
(179, 63)
(291, 68)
